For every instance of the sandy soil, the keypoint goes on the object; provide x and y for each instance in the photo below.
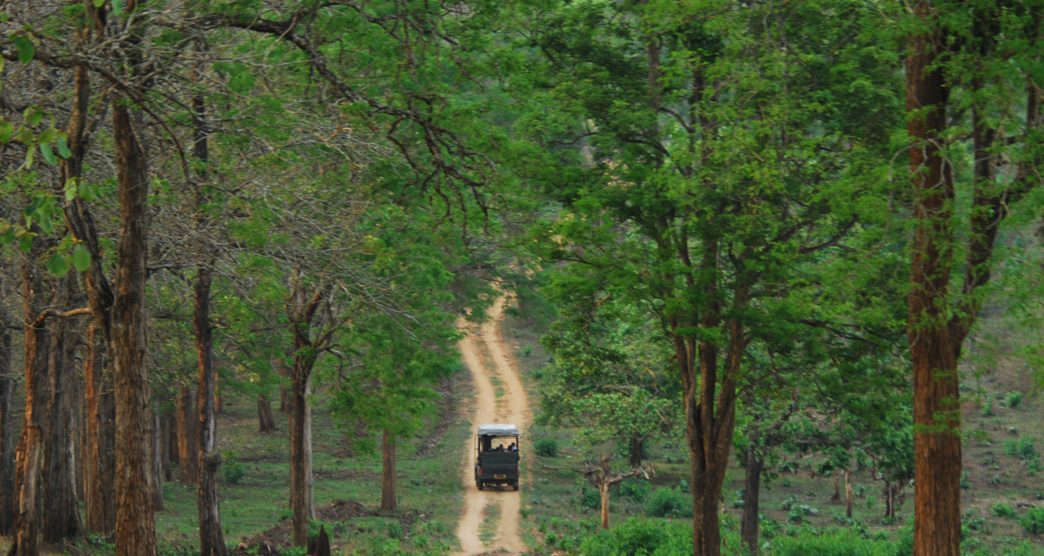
(489, 359)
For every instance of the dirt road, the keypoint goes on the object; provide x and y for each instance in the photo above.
(492, 516)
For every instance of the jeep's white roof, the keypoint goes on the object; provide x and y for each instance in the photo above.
(498, 429)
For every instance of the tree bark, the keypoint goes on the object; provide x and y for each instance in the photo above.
(156, 459)
(265, 418)
(99, 462)
(937, 442)
(634, 451)
(849, 495)
(7, 455)
(751, 498)
(29, 458)
(188, 440)
(61, 520)
(603, 493)
(388, 501)
(300, 458)
(135, 522)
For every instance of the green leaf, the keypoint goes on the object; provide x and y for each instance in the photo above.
(58, 265)
(7, 129)
(26, 49)
(48, 154)
(99, 3)
(117, 8)
(81, 257)
(71, 188)
(30, 156)
(63, 147)
(25, 243)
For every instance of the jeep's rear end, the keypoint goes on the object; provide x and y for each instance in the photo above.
(497, 457)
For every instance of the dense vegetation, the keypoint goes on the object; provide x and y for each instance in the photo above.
(752, 244)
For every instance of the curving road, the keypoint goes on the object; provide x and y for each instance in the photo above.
(491, 365)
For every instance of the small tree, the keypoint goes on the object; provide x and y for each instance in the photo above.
(608, 421)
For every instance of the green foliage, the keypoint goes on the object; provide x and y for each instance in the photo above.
(635, 489)
(590, 499)
(835, 542)
(546, 447)
(1013, 399)
(232, 469)
(1003, 509)
(1033, 521)
(1025, 450)
(668, 502)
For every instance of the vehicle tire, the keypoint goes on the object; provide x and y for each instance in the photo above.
(480, 485)
(514, 485)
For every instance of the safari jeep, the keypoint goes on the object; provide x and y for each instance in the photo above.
(496, 460)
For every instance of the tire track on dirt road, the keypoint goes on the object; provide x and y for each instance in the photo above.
(513, 407)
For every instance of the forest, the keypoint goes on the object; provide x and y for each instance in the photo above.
(751, 277)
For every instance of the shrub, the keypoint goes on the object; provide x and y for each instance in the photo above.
(1013, 399)
(797, 513)
(1000, 509)
(232, 469)
(1033, 521)
(668, 502)
(635, 489)
(546, 447)
(590, 499)
(835, 542)
(630, 537)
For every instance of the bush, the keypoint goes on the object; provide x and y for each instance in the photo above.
(590, 499)
(836, 542)
(1013, 399)
(668, 502)
(630, 537)
(232, 469)
(1033, 521)
(635, 489)
(546, 447)
(1000, 509)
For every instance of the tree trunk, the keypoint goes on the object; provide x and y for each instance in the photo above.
(284, 399)
(188, 440)
(849, 496)
(29, 459)
(211, 540)
(634, 451)
(388, 502)
(937, 442)
(265, 419)
(61, 520)
(99, 463)
(603, 493)
(7, 467)
(836, 497)
(300, 457)
(135, 521)
(751, 498)
(156, 461)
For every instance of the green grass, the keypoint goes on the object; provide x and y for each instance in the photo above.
(429, 490)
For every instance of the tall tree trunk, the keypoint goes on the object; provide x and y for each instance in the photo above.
(265, 419)
(937, 441)
(100, 457)
(388, 501)
(156, 459)
(751, 498)
(99, 462)
(188, 440)
(61, 519)
(7, 467)
(135, 521)
(30, 449)
(300, 456)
